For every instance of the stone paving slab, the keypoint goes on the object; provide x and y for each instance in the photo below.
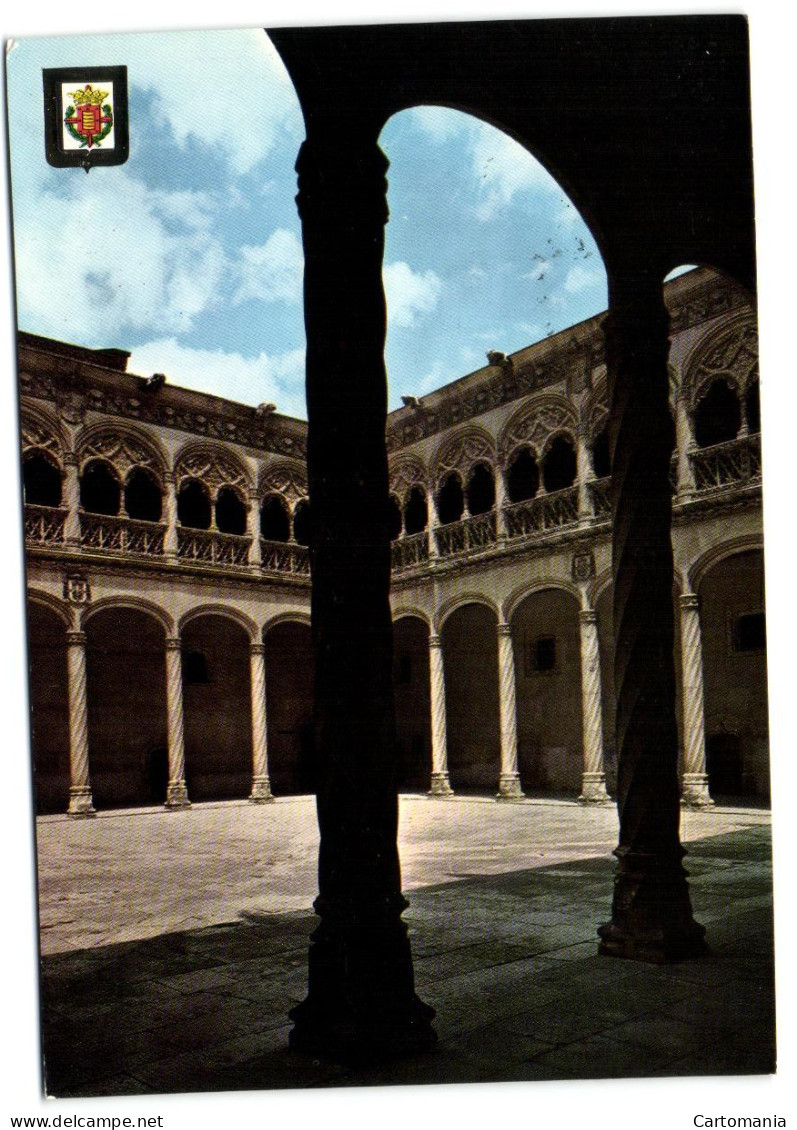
(506, 951)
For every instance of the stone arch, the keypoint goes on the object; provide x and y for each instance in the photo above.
(63, 611)
(458, 453)
(137, 604)
(744, 543)
(448, 607)
(406, 473)
(728, 353)
(123, 447)
(283, 478)
(214, 466)
(510, 606)
(293, 617)
(41, 431)
(535, 423)
(412, 611)
(226, 612)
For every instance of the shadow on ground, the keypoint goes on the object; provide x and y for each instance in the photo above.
(508, 961)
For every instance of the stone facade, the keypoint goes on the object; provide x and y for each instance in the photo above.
(169, 575)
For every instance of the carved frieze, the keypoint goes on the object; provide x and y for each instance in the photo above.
(121, 450)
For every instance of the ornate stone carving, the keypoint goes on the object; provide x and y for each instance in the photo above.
(121, 450)
(405, 474)
(213, 467)
(583, 565)
(732, 356)
(36, 435)
(286, 479)
(76, 589)
(461, 452)
(535, 424)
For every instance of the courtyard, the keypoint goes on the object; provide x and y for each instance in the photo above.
(174, 944)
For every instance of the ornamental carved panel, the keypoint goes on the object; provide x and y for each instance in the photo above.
(213, 467)
(461, 452)
(122, 451)
(536, 423)
(36, 434)
(285, 479)
(733, 356)
(406, 474)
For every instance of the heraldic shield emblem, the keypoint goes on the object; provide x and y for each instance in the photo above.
(85, 116)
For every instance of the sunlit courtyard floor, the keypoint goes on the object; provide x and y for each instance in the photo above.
(174, 944)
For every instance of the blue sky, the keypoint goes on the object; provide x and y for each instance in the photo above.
(189, 255)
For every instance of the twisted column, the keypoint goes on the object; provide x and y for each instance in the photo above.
(695, 779)
(253, 530)
(651, 911)
(500, 503)
(72, 500)
(80, 799)
(584, 474)
(440, 786)
(509, 781)
(361, 1001)
(170, 537)
(593, 781)
(261, 786)
(685, 443)
(176, 791)
(434, 522)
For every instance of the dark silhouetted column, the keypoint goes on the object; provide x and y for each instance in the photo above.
(361, 1001)
(651, 912)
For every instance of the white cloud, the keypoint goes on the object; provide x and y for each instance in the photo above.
(579, 278)
(85, 273)
(409, 294)
(439, 123)
(271, 271)
(249, 380)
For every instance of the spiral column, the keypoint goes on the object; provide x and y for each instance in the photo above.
(651, 910)
(253, 531)
(80, 799)
(593, 781)
(361, 1000)
(170, 537)
(261, 786)
(72, 500)
(440, 784)
(176, 790)
(509, 781)
(694, 792)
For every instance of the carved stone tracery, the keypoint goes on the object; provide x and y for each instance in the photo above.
(731, 356)
(462, 452)
(285, 479)
(406, 474)
(214, 468)
(536, 425)
(122, 451)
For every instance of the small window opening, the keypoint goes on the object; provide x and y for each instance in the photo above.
(750, 632)
(523, 480)
(142, 496)
(481, 490)
(275, 525)
(193, 505)
(99, 489)
(718, 416)
(559, 465)
(230, 512)
(450, 500)
(41, 481)
(415, 512)
(540, 654)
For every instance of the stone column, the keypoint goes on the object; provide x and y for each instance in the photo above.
(695, 779)
(433, 523)
(261, 786)
(500, 503)
(509, 782)
(253, 531)
(440, 786)
(176, 791)
(361, 1001)
(593, 781)
(651, 911)
(80, 800)
(72, 500)
(170, 546)
(685, 444)
(584, 474)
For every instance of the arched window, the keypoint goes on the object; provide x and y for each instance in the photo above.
(393, 517)
(718, 416)
(450, 500)
(99, 488)
(230, 512)
(481, 489)
(753, 407)
(275, 524)
(41, 481)
(143, 496)
(601, 461)
(416, 513)
(193, 505)
(559, 465)
(523, 479)
(301, 522)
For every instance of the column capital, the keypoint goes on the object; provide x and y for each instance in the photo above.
(75, 638)
(169, 478)
(504, 629)
(174, 643)
(257, 648)
(70, 459)
(587, 616)
(689, 600)
(435, 641)
(345, 177)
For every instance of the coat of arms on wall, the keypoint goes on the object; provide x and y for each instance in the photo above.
(85, 114)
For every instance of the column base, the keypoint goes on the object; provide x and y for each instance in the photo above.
(651, 911)
(440, 785)
(177, 795)
(694, 791)
(509, 787)
(361, 1005)
(593, 789)
(80, 802)
(261, 791)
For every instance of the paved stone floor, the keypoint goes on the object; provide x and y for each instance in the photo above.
(174, 944)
